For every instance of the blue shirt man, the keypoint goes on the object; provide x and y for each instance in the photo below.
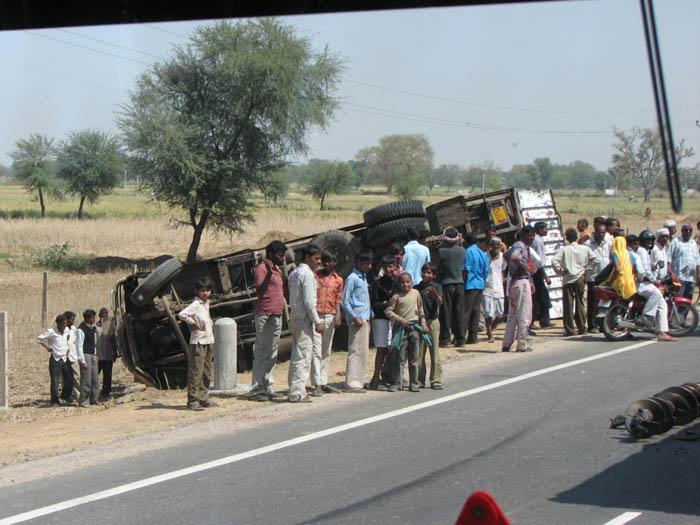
(476, 268)
(415, 256)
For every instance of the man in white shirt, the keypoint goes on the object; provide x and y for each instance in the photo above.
(55, 341)
(73, 352)
(659, 255)
(572, 262)
(304, 319)
(600, 245)
(655, 309)
(685, 260)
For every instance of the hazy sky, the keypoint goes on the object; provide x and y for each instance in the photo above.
(506, 83)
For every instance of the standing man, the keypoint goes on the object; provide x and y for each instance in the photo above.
(475, 271)
(415, 256)
(572, 262)
(685, 260)
(106, 345)
(520, 268)
(493, 289)
(670, 225)
(269, 286)
(87, 357)
(55, 340)
(303, 322)
(330, 294)
(600, 245)
(452, 258)
(358, 312)
(541, 300)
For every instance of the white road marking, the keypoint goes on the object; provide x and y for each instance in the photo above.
(623, 518)
(68, 504)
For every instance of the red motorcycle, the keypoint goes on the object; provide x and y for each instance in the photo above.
(619, 317)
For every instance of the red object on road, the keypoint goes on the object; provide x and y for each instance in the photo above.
(481, 509)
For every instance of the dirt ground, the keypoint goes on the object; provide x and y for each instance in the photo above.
(144, 418)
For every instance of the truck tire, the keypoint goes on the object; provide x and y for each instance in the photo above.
(345, 246)
(392, 211)
(154, 281)
(395, 230)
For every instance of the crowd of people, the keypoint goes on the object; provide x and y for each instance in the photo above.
(78, 354)
(410, 307)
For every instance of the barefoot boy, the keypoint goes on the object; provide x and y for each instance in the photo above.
(431, 295)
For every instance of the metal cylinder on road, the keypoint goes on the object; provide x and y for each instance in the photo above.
(225, 339)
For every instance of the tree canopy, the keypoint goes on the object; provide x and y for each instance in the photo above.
(33, 163)
(323, 177)
(638, 157)
(90, 161)
(398, 156)
(214, 122)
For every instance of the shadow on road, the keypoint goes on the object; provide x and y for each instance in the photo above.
(662, 477)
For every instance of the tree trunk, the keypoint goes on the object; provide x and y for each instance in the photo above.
(197, 237)
(41, 202)
(323, 198)
(80, 208)
(646, 194)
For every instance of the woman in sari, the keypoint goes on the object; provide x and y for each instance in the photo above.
(622, 276)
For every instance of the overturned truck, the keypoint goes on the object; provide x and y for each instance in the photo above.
(153, 342)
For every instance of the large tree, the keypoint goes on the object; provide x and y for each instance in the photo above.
(323, 177)
(638, 158)
(214, 122)
(91, 162)
(33, 162)
(398, 156)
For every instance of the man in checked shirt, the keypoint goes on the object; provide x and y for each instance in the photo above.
(330, 293)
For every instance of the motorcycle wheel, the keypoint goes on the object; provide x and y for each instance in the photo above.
(682, 319)
(610, 328)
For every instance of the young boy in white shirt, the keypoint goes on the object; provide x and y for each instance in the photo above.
(201, 354)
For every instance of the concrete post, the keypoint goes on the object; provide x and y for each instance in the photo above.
(4, 401)
(44, 300)
(225, 354)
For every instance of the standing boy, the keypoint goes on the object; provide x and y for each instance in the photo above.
(55, 340)
(201, 351)
(379, 293)
(304, 321)
(87, 358)
(356, 306)
(105, 350)
(73, 351)
(431, 295)
(405, 310)
(493, 289)
(269, 287)
(330, 293)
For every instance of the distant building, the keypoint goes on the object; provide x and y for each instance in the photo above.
(609, 191)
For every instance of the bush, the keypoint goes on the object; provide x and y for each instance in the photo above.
(56, 257)
(53, 214)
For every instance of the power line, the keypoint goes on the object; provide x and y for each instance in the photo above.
(111, 44)
(496, 106)
(164, 30)
(62, 77)
(465, 124)
(88, 48)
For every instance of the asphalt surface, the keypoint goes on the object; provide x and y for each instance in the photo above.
(540, 444)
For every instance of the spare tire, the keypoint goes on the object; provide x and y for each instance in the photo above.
(392, 211)
(396, 230)
(344, 245)
(154, 281)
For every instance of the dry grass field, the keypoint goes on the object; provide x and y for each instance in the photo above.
(127, 224)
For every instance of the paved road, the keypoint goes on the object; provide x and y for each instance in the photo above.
(531, 429)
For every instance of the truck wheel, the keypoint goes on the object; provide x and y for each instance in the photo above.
(395, 230)
(392, 211)
(154, 281)
(345, 246)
